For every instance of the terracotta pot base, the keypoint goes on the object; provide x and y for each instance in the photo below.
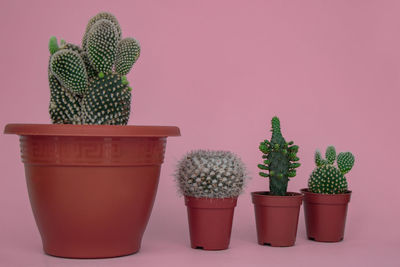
(210, 222)
(325, 215)
(276, 218)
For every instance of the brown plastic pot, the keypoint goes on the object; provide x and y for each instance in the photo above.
(325, 215)
(91, 187)
(210, 222)
(276, 218)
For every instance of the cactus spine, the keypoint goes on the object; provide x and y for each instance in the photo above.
(210, 174)
(327, 178)
(87, 84)
(280, 160)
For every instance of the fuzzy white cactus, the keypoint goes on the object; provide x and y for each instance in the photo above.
(210, 174)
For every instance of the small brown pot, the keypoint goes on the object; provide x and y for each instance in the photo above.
(210, 222)
(91, 187)
(276, 218)
(325, 215)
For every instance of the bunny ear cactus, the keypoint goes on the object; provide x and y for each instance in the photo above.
(280, 160)
(327, 178)
(88, 85)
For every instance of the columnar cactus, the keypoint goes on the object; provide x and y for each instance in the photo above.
(327, 178)
(87, 84)
(210, 174)
(280, 160)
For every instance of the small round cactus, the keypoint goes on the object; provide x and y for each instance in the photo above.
(327, 178)
(210, 174)
(88, 85)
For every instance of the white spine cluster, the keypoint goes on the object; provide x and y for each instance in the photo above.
(211, 174)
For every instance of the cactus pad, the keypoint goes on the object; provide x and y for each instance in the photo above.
(99, 16)
(101, 45)
(330, 154)
(345, 162)
(107, 101)
(128, 51)
(64, 106)
(68, 67)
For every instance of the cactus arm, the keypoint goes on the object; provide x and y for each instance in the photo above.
(53, 45)
(68, 67)
(108, 101)
(101, 45)
(319, 161)
(330, 155)
(345, 162)
(128, 51)
(92, 21)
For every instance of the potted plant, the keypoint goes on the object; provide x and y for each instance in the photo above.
(211, 182)
(91, 179)
(327, 196)
(276, 210)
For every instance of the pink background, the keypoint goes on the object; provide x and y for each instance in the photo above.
(220, 70)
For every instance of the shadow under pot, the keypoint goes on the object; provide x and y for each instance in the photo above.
(325, 215)
(210, 222)
(276, 218)
(91, 187)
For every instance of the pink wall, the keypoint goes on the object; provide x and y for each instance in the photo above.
(220, 70)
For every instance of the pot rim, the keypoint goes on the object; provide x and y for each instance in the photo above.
(91, 130)
(326, 199)
(259, 198)
(262, 193)
(305, 191)
(210, 203)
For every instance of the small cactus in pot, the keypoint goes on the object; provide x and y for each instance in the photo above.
(276, 210)
(327, 197)
(328, 178)
(280, 160)
(211, 181)
(88, 84)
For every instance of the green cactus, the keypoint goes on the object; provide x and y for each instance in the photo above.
(64, 106)
(92, 21)
(102, 44)
(210, 174)
(128, 52)
(68, 67)
(280, 160)
(88, 85)
(327, 178)
(99, 105)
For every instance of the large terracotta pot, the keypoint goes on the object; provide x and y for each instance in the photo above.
(210, 222)
(276, 218)
(91, 187)
(325, 215)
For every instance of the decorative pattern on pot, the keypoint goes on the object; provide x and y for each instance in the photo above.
(106, 151)
(276, 210)
(211, 182)
(327, 197)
